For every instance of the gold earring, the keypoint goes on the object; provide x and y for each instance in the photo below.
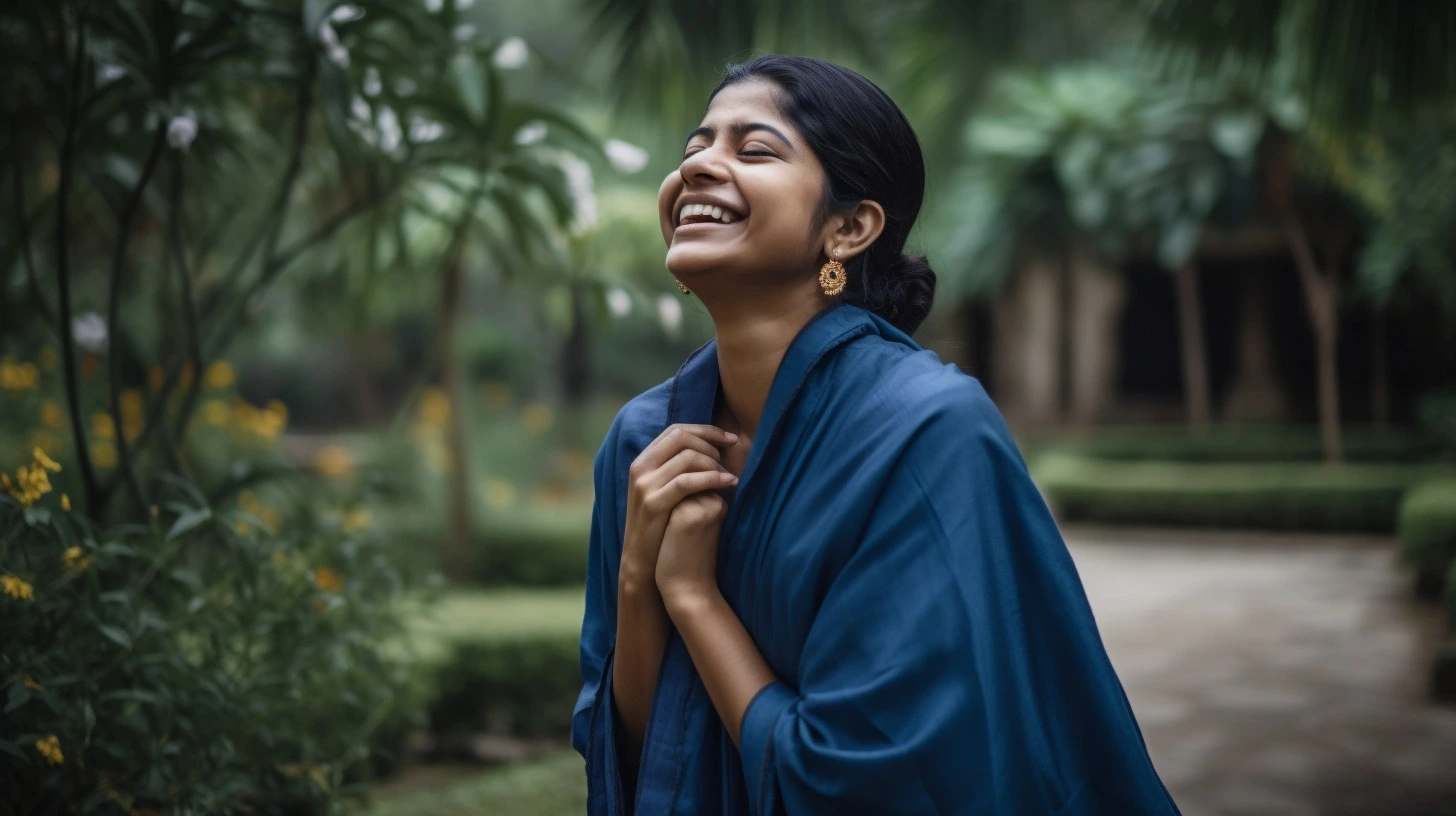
(685, 290)
(832, 277)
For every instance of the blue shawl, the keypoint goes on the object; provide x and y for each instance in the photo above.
(900, 573)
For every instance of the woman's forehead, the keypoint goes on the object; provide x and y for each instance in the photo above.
(749, 100)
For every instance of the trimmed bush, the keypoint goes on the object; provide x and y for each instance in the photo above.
(535, 547)
(503, 661)
(1428, 532)
(1270, 496)
(1244, 443)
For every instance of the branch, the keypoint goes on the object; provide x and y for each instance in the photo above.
(323, 232)
(63, 266)
(113, 316)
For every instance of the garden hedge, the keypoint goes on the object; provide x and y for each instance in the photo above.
(530, 547)
(1428, 532)
(1269, 496)
(1240, 443)
(502, 661)
(552, 785)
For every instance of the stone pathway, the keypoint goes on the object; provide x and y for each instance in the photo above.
(1275, 675)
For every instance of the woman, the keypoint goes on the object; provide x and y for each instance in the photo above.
(821, 580)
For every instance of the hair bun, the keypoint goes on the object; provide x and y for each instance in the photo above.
(908, 293)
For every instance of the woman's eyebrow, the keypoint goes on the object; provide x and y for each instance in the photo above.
(741, 129)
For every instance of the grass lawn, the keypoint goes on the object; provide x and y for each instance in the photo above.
(554, 785)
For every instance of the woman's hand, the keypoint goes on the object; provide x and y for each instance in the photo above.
(687, 565)
(682, 461)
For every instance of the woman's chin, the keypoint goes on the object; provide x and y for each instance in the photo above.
(691, 263)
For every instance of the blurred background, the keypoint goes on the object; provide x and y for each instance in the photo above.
(314, 313)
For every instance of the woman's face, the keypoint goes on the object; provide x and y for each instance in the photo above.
(761, 187)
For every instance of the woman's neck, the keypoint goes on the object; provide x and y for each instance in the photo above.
(752, 341)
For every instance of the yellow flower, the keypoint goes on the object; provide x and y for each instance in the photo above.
(18, 376)
(65, 502)
(328, 580)
(102, 426)
(131, 401)
(29, 682)
(499, 493)
(45, 461)
(333, 462)
(219, 375)
(31, 482)
(51, 414)
(76, 559)
(434, 407)
(50, 748)
(103, 455)
(16, 588)
(215, 412)
(355, 520)
(537, 417)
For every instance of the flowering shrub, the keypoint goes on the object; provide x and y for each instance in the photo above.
(224, 655)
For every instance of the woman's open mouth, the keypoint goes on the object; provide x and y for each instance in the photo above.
(692, 215)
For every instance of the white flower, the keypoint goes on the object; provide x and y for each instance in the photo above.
(465, 32)
(109, 72)
(579, 185)
(336, 51)
(359, 108)
(346, 13)
(511, 54)
(669, 313)
(89, 331)
(433, 6)
(619, 303)
(181, 131)
(530, 133)
(372, 84)
(424, 130)
(390, 132)
(625, 157)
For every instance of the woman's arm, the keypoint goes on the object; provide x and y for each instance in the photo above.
(642, 626)
(727, 659)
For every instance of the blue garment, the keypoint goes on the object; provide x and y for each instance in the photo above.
(891, 558)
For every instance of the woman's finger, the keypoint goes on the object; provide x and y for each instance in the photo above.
(707, 439)
(667, 497)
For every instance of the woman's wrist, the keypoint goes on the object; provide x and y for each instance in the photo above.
(636, 581)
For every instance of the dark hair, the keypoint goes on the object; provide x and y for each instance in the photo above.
(869, 151)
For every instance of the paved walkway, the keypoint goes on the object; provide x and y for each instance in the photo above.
(1275, 675)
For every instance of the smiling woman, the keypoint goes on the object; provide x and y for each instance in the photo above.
(820, 578)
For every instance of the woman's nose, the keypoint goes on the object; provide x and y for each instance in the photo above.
(704, 166)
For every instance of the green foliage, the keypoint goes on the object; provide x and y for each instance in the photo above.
(1290, 496)
(1095, 155)
(198, 662)
(1243, 443)
(1427, 528)
(551, 786)
(528, 547)
(1438, 413)
(503, 661)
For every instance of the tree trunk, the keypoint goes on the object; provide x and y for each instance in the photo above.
(456, 556)
(576, 352)
(1321, 298)
(1380, 373)
(1194, 347)
(1093, 311)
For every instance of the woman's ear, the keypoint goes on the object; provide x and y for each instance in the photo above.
(856, 230)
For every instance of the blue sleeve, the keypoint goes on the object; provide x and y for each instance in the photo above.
(593, 724)
(953, 666)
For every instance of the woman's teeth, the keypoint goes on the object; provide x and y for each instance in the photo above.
(706, 211)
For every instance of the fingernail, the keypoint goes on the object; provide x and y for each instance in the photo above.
(731, 478)
(732, 437)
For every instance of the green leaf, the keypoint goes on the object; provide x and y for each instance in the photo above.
(188, 521)
(36, 516)
(116, 635)
(19, 696)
